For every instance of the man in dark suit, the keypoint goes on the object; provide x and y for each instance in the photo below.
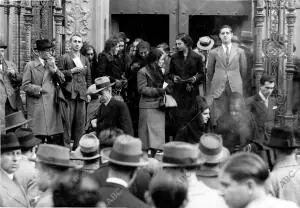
(226, 66)
(124, 159)
(111, 113)
(262, 108)
(76, 69)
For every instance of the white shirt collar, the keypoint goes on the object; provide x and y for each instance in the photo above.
(10, 176)
(229, 46)
(42, 61)
(108, 101)
(266, 100)
(117, 181)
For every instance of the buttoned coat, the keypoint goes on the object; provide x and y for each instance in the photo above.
(218, 72)
(38, 84)
(11, 192)
(77, 83)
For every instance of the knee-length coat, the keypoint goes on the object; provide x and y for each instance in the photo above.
(39, 86)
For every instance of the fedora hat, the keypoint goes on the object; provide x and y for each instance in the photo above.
(247, 37)
(43, 44)
(283, 138)
(212, 149)
(88, 148)
(181, 154)
(27, 138)
(14, 120)
(9, 142)
(205, 43)
(3, 45)
(54, 155)
(126, 151)
(101, 83)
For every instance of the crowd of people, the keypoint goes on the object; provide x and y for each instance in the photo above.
(144, 126)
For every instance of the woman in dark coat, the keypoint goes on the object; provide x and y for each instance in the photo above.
(186, 73)
(197, 126)
(90, 52)
(150, 82)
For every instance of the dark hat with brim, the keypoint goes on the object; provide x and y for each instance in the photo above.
(283, 138)
(27, 138)
(126, 151)
(54, 155)
(181, 154)
(14, 120)
(9, 142)
(43, 44)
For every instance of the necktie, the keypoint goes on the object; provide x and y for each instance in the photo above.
(227, 54)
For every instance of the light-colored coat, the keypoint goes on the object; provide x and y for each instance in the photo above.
(12, 193)
(219, 72)
(42, 109)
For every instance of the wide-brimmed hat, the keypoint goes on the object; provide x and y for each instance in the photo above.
(2, 44)
(9, 142)
(27, 138)
(283, 138)
(54, 155)
(247, 37)
(43, 44)
(14, 120)
(101, 83)
(212, 149)
(181, 154)
(88, 148)
(205, 43)
(126, 151)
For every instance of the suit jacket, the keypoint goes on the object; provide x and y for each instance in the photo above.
(264, 117)
(218, 72)
(115, 195)
(150, 87)
(76, 84)
(115, 114)
(11, 192)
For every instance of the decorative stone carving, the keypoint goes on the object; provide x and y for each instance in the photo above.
(77, 19)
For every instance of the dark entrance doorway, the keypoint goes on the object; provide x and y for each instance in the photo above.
(204, 25)
(152, 28)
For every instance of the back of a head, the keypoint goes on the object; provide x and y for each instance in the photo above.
(167, 192)
(76, 189)
(244, 165)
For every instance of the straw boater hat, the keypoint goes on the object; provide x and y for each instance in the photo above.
(54, 155)
(9, 142)
(212, 149)
(283, 138)
(205, 43)
(88, 148)
(181, 154)
(27, 138)
(101, 83)
(126, 151)
(14, 120)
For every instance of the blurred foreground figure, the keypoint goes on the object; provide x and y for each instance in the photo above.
(77, 189)
(12, 194)
(166, 192)
(285, 177)
(243, 179)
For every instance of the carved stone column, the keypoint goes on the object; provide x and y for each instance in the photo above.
(259, 24)
(291, 19)
(58, 17)
(28, 26)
